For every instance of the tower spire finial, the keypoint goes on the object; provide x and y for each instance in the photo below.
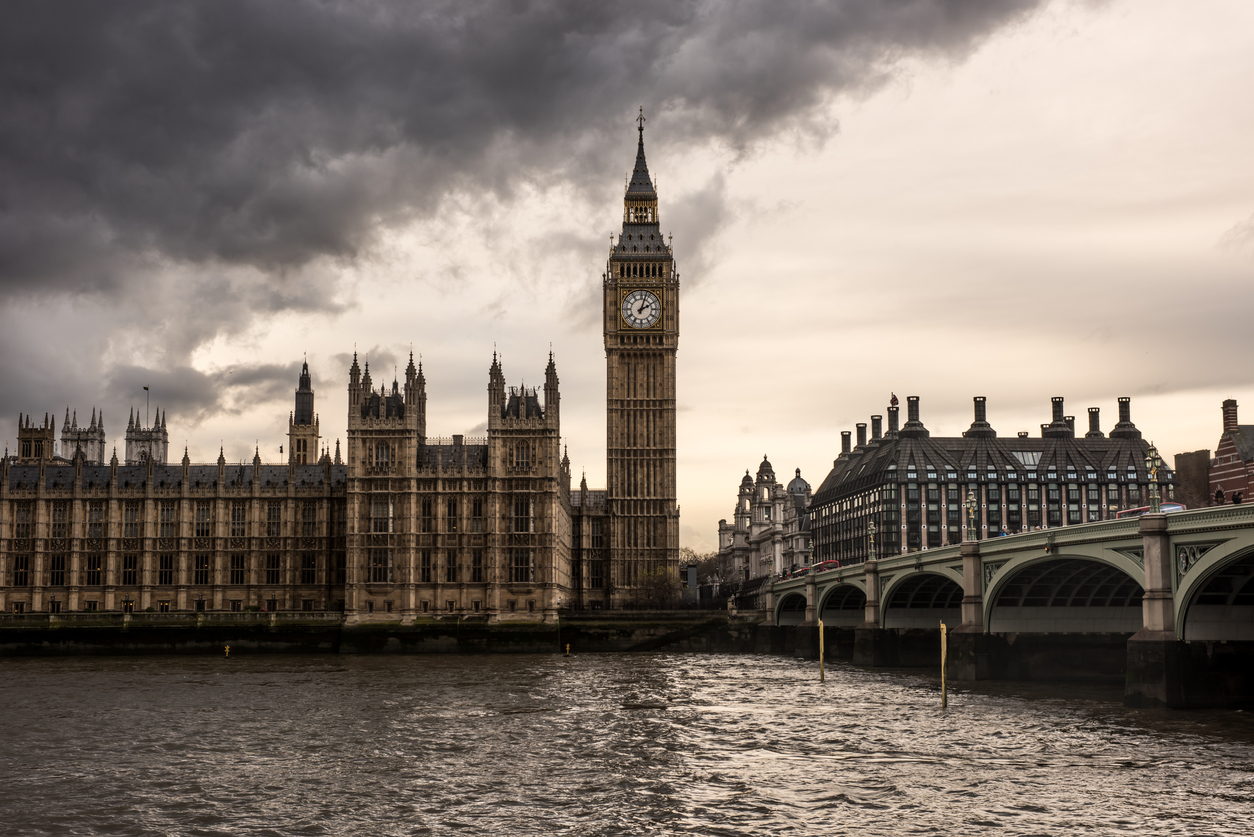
(641, 120)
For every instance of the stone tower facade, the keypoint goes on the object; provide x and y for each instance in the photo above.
(35, 441)
(90, 439)
(302, 425)
(456, 526)
(384, 432)
(144, 444)
(641, 316)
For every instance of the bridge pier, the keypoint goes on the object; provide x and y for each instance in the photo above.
(770, 606)
(872, 644)
(970, 652)
(1157, 660)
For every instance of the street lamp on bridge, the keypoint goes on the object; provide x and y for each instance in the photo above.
(870, 531)
(1152, 463)
(971, 506)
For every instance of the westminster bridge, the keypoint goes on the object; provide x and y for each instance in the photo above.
(1165, 602)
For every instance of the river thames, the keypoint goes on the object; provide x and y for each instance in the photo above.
(624, 744)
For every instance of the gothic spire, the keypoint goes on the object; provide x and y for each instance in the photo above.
(641, 185)
(304, 383)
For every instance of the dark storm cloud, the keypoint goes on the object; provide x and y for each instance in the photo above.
(192, 395)
(272, 134)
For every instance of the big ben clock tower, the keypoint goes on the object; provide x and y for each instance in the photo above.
(641, 339)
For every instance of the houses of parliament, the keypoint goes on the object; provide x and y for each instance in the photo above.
(397, 526)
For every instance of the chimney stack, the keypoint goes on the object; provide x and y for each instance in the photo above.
(1125, 429)
(914, 428)
(1070, 420)
(844, 441)
(876, 428)
(1058, 428)
(892, 420)
(980, 428)
(861, 434)
(1095, 423)
(1230, 414)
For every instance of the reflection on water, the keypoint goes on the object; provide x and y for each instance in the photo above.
(594, 745)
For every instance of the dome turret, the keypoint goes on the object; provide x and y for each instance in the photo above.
(797, 485)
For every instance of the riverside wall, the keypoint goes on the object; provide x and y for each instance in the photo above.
(327, 633)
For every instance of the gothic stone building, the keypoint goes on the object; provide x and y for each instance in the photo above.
(914, 487)
(454, 524)
(406, 526)
(770, 528)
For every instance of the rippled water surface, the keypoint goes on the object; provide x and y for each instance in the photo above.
(594, 745)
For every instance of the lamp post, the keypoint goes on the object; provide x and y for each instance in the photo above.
(971, 514)
(1152, 463)
(870, 531)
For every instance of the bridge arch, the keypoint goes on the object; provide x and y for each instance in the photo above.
(921, 599)
(843, 605)
(1215, 600)
(791, 609)
(1069, 593)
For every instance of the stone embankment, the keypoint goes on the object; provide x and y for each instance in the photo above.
(327, 633)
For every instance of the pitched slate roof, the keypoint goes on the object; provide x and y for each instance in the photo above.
(452, 456)
(171, 476)
(1243, 439)
(899, 453)
(595, 498)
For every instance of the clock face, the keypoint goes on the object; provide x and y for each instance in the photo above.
(641, 309)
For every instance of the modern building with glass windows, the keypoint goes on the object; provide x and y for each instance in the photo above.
(904, 490)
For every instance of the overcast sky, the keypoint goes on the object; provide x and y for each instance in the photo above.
(945, 199)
